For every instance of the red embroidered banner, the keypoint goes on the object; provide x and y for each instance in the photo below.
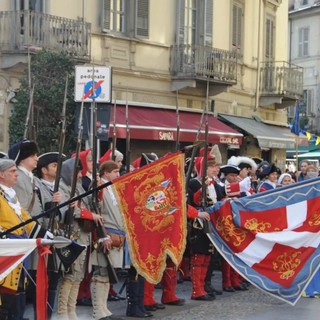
(153, 204)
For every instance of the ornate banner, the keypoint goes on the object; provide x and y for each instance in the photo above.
(272, 238)
(153, 204)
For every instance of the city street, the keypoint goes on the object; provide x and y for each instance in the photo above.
(241, 305)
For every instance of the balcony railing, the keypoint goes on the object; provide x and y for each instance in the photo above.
(281, 78)
(203, 62)
(20, 29)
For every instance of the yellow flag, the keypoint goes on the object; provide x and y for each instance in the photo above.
(309, 135)
(317, 141)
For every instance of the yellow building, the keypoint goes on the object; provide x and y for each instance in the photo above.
(225, 56)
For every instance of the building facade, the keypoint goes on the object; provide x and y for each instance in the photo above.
(304, 37)
(227, 59)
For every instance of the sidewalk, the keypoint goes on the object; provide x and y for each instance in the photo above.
(241, 305)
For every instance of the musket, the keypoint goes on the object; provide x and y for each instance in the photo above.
(204, 203)
(194, 152)
(26, 134)
(114, 136)
(128, 151)
(178, 123)
(205, 155)
(69, 213)
(100, 230)
(63, 124)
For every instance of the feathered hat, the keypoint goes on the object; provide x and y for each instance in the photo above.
(243, 162)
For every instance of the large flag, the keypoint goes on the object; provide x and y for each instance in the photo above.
(13, 252)
(296, 122)
(272, 238)
(153, 204)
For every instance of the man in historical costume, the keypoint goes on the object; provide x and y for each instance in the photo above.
(85, 156)
(31, 194)
(12, 288)
(112, 223)
(246, 166)
(201, 248)
(117, 158)
(79, 213)
(270, 174)
(214, 154)
(46, 172)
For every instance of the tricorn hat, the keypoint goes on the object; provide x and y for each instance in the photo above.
(22, 150)
(47, 158)
(228, 168)
(269, 169)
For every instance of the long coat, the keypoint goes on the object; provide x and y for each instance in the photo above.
(8, 219)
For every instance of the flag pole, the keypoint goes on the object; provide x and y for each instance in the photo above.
(297, 159)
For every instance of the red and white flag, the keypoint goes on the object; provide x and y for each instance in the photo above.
(272, 238)
(13, 252)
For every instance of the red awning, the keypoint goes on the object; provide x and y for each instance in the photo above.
(161, 124)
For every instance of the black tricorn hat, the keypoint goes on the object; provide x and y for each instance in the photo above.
(229, 169)
(22, 150)
(269, 169)
(48, 158)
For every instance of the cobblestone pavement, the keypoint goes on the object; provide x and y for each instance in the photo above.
(244, 305)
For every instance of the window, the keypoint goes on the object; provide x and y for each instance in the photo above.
(291, 111)
(194, 22)
(304, 2)
(127, 17)
(237, 26)
(269, 40)
(303, 42)
(34, 5)
(307, 99)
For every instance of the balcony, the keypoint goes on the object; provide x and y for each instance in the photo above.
(24, 29)
(199, 64)
(280, 83)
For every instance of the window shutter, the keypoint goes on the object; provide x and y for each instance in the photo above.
(309, 102)
(269, 50)
(237, 16)
(180, 22)
(106, 14)
(291, 110)
(300, 42)
(142, 18)
(305, 41)
(209, 23)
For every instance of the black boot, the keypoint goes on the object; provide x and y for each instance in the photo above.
(207, 281)
(51, 300)
(135, 301)
(13, 305)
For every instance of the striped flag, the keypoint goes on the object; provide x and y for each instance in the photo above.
(272, 238)
(13, 252)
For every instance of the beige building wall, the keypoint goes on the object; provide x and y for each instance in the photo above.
(141, 67)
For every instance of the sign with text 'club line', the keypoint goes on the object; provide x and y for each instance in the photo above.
(92, 84)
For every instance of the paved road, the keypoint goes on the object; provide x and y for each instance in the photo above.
(245, 305)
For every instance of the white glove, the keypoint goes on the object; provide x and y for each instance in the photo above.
(245, 185)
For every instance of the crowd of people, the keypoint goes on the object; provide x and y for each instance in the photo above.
(28, 187)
